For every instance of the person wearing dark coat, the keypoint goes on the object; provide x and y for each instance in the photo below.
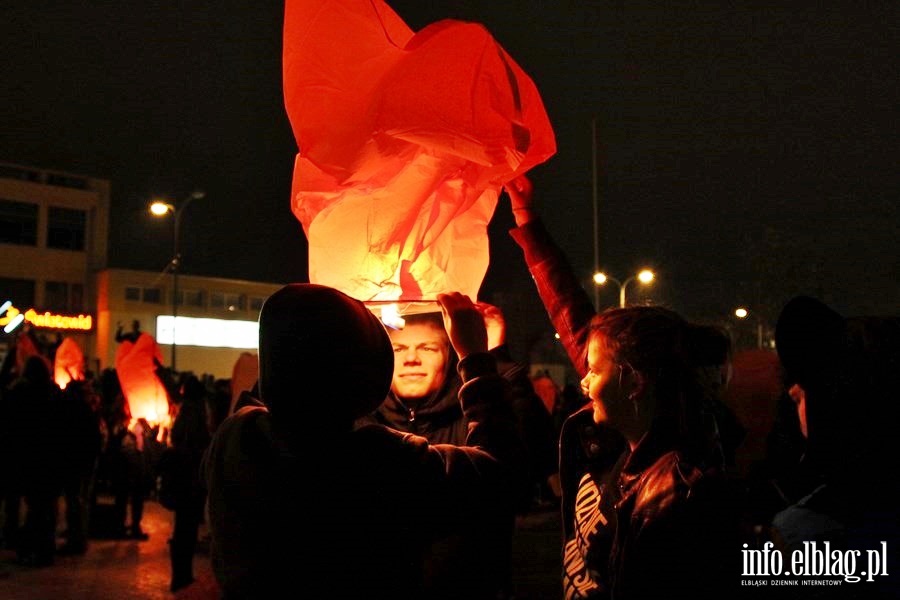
(377, 495)
(647, 510)
(423, 395)
(843, 375)
(34, 409)
(83, 443)
(423, 400)
(189, 440)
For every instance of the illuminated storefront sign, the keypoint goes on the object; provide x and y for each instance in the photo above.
(46, 320)
(211, 333)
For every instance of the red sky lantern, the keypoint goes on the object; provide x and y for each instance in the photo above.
(26, 348)
(136, 369)
(68, 363)
(405, 141)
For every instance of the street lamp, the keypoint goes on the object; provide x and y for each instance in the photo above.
(743, 313)
(595, 193)
(645, 276)
(161, 208)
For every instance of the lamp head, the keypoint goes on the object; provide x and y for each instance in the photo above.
(159, 208)
(645, 276)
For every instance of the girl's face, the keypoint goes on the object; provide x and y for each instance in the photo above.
(605, 385)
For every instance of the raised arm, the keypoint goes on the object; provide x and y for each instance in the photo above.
(569, 307)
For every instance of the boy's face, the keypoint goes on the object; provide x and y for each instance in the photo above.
(421, 351)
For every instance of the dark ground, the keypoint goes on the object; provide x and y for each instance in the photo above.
(131, 570)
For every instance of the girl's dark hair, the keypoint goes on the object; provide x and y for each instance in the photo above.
(655, 343)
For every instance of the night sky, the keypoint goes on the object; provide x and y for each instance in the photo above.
(746, 154)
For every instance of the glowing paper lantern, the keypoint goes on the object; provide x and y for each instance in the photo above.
(243, 376)
(136, 364)
(25, 349)
(68, 364)
(547, 391)
(405, 143)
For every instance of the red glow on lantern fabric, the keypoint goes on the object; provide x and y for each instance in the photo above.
(68, 363)
(405, 140)
(136, 367)
(753, 393)
(25, 349)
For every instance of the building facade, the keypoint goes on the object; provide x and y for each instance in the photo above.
(216, 322)
(53, 236)
(55, 279)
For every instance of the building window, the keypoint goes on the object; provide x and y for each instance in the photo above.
(56, 296)
(69, 181)
(65, 228)
(256, 303)
(190, 297)
(18, 223)
(217, 300)
(133, 294)
(152, 295)
(235, 302)
(13, 172)
(76, 297)
(193, 297)
(18, 291)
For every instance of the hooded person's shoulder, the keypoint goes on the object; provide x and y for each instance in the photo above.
(246, 434)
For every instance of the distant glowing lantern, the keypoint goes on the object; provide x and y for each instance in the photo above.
(25, 349)
(136, 364)
(68, 363)
(405, 143)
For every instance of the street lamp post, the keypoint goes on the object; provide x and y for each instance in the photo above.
(595, 189)
(160, 208)
(645, 276)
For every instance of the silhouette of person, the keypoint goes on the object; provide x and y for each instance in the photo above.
(843, 374)
(641, 475)
(130, 336)
(378, 495)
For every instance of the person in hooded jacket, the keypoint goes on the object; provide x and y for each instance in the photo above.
(33, 405)
(374, 498)
(423, 400)
(842, 374)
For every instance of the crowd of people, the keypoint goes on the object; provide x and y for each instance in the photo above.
(415, 446)
(75, 465)
(418, 445)
(417, 460)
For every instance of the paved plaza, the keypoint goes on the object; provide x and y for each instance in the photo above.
(139, 570)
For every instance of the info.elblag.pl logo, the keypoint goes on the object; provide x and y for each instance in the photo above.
(813, 561)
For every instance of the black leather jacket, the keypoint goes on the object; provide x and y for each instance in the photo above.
(651, 523)
(643, 524)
